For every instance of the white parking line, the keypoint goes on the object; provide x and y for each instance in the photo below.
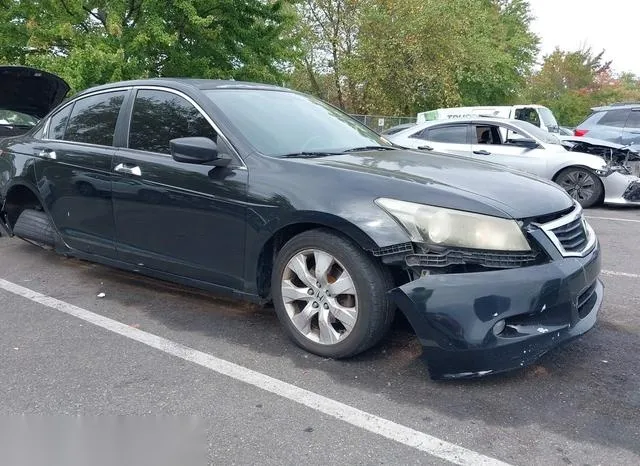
(615, 219)
(619, 274)
(375, 424)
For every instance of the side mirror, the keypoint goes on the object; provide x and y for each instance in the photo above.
(197, 150)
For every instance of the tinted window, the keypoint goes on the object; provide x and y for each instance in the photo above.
(160, 116)
(424, 134)
(634, 120)
(93, 119)
(58, 123)
(451, 134)
(616, 118)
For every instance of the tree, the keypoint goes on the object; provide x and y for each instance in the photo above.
(571, 83)
(91, 42)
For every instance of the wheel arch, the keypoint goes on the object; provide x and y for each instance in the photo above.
(584, 167)
(272, 244)
(19, 196)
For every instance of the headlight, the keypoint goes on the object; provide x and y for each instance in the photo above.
(455, 228)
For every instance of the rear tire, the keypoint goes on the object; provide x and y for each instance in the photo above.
(331, 321)
(582, 185)
(35, 227)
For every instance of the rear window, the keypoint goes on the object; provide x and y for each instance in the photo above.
(93, 119)
(616, 118)
(452, 134)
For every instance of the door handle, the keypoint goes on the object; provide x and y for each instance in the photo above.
(128, 169)
(48, 154)
(425, 148)
(481, 152)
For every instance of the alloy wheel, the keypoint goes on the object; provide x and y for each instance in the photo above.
(319, 296)
(580, 185)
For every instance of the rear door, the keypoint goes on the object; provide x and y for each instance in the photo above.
(184, 219)
(450, 139)
(631, 134)
(73, 171)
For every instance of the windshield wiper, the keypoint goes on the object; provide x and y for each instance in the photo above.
(308, 154)
(370, 148)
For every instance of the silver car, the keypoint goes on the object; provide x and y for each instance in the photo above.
(517, 144)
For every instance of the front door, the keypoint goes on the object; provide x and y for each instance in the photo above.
(73, 171)
(179, 218)
(489, 144)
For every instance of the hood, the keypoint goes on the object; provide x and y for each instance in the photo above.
(456, 182)
(30, 91)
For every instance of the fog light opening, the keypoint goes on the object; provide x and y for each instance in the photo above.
(499, 327)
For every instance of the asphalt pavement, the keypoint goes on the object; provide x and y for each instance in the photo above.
(258, 399)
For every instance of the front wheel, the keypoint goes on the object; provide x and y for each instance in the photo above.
(330, 296)
(582, 184)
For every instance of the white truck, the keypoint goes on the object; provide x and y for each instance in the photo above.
(535, 114)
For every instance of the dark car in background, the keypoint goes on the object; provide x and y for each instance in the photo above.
(272, 195)
(27, 95)
(617, 123)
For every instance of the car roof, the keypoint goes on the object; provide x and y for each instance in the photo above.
(194, 83)
(618, 106)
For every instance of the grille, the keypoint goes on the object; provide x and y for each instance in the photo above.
(485, 259)
(572, 236)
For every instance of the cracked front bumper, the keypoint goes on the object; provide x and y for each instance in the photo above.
(542, 306)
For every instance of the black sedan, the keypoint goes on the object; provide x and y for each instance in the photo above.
(272, 195)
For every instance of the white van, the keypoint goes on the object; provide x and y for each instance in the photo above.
(536, 114)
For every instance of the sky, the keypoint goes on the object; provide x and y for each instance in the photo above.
(600, 24)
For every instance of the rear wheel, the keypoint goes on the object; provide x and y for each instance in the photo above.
(582, 184)
(330, 296)
(34, 226)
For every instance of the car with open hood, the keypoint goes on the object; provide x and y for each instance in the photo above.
(27, 95)
(589, 179)
(274, 196)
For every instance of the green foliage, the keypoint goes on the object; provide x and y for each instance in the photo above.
(404, 56)
(571, 83)
(91, 42)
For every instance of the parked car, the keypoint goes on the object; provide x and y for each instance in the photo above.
(537, 115)
(272, 195)
(565, 131)
(523, 146)
(617, 123)
(26, 95)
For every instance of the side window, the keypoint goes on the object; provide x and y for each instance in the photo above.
(58, 123)
(422, 134)
(634, 120)
(616, 118)
(529, 115)
(93, 119)
(456, 134)
(487, 134)
(159, 116)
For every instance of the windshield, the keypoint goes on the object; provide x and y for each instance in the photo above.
(9, 117)
(278, 123)
(548, 119)
(536, 132)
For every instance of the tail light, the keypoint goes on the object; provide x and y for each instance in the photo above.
(580, 132)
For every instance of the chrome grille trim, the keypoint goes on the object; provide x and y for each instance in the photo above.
(569, 223)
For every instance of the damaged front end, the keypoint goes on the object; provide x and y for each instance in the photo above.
(621, 158)
(477, 313)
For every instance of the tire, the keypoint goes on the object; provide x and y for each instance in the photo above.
(367, 296)
(35, 227)
(582, 184)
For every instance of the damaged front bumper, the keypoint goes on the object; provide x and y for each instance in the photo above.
(621, 189)
(473, 324)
